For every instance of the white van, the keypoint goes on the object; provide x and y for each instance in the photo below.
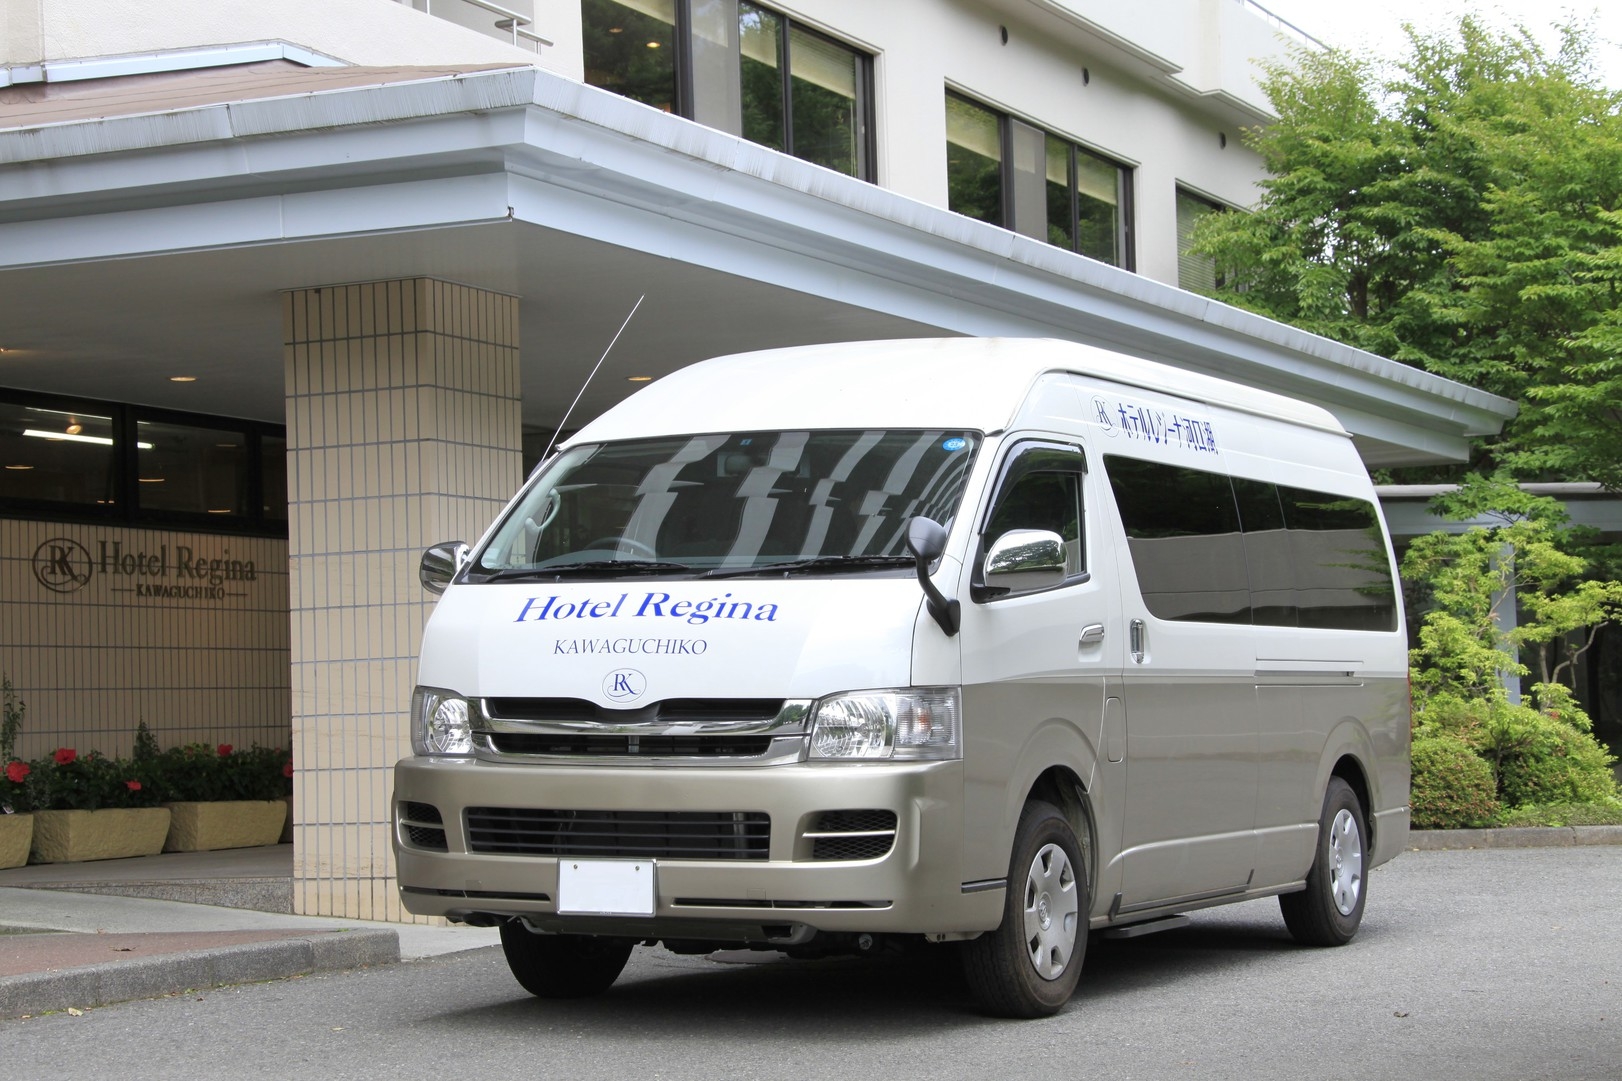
(983, 642)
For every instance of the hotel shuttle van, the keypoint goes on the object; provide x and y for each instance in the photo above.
(984, 643)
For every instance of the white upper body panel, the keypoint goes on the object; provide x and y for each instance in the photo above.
(972, 383)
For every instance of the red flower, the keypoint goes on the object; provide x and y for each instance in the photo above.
(287, 768)
(225, 749)
(133, 786)
(16, 771)
(65, 755)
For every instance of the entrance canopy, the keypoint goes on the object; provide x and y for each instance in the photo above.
(149, 226)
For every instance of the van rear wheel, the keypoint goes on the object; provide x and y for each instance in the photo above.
(1029, 965)
(1329, 910)
(563, 966)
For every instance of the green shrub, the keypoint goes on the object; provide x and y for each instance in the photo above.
(1608, 813)
(1552, 762)
(1453, 787)
(1542, 755)
(66, 780)
(202, 771)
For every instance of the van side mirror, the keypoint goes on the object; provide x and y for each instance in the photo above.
(926, 540)
(1024, 561)
(440, 564)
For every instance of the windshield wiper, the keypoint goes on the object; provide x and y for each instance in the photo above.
(815, 563)
(587, 566)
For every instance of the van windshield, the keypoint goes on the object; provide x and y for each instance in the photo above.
(731, 503)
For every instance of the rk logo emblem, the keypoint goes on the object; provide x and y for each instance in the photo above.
(62, 565)
(624, 685)
(1101, 413)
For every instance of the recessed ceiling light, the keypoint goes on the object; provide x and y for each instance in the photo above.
(19, 467)
(182, 379)
(639, 379)
(151, 480)
(653, 44)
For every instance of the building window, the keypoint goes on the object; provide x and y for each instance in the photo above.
(1003, 171)
(630, 48)
(1196, 273)
(75, 460)
(974, 157)
(738, 67)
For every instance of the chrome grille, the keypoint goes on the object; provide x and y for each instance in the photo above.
(714, 731)
(626, 746)
(670, 711)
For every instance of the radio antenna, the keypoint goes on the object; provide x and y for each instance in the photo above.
(592, 374)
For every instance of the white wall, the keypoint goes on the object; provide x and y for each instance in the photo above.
(365, 32)
(1166, 81)
(1169, 127)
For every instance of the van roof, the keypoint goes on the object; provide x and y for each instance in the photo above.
(957, 383)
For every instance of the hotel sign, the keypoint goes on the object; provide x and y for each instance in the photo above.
(179, 572)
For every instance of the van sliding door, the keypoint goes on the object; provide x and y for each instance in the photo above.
(1191, 746)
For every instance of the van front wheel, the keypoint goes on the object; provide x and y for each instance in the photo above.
(1329, 910)
(563, 966)
(1029, 965)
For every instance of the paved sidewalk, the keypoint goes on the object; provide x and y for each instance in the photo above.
(72, 937)
(75, 936)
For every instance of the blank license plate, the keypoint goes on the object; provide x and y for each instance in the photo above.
(606, 887)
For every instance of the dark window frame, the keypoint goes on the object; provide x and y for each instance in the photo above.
(788, 27)
(1125, 230)
(1212, 206)
(1024, 459)
(125, 509)
(686, 91)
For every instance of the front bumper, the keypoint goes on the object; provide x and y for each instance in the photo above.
(915, 887)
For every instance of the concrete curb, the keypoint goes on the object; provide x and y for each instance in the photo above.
(1514, 837)
(150, 977)
(255, 894)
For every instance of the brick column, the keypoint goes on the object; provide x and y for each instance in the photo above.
(402, 430)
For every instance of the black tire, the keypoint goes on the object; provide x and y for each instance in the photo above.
(1329, 910)
(563, 966)
(1029, 965)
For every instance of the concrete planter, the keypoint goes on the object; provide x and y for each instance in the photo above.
(16, 835)
(76, 836)
(203, 827)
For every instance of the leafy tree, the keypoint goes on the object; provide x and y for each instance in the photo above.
(1542, 749)
(1532, 558)
(1459, 215)
(1576, 427)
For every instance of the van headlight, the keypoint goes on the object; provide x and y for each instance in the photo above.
(908, 724)
(439, 723)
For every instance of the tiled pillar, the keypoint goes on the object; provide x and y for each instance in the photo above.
(402, 431)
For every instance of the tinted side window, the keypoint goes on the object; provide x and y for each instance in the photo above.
(1218, 550)
(1041, 489)
(1342, 577)
(1183, 530)
(1267, 553)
